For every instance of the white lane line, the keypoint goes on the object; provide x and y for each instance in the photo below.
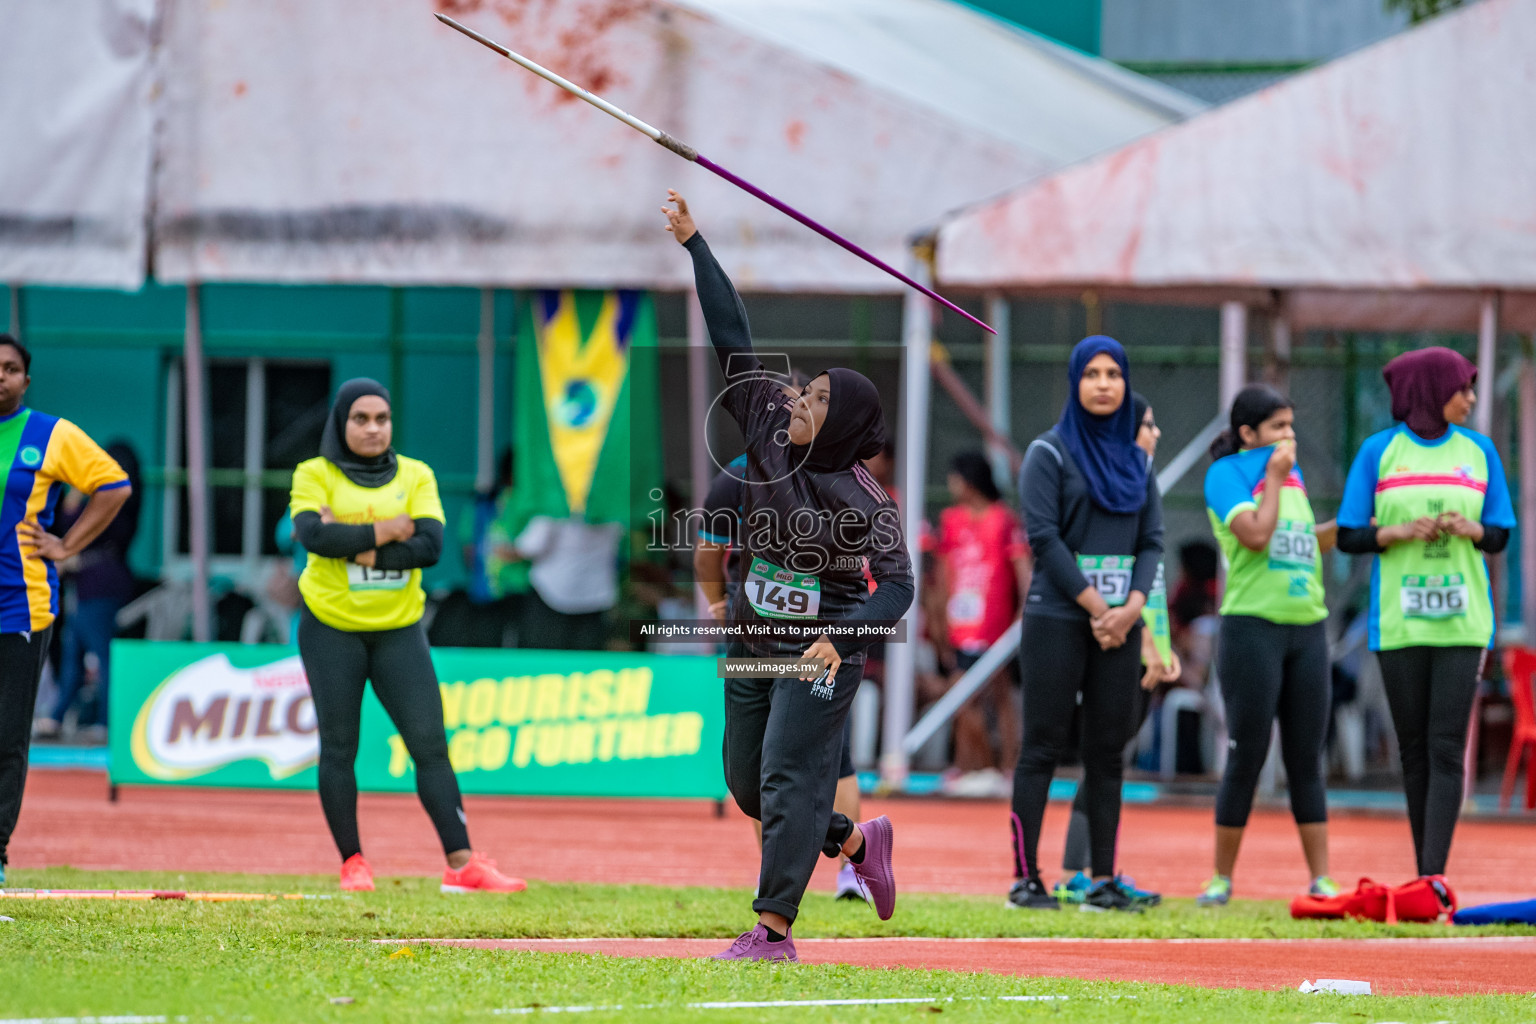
(129, 1019)
(1460, 940)
(774, 1004)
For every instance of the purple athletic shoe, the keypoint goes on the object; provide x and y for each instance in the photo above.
(755, 945)
(875, 869)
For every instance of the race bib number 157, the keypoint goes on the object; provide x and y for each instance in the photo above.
(1110, 575)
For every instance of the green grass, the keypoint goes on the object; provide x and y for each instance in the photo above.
(285, 961)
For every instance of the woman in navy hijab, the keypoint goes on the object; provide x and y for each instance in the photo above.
(1095, 523)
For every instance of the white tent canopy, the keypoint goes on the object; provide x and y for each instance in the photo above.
(1387, 189)
(75, 106)
(362, 141)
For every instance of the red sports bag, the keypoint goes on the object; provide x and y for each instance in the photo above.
(1424, 899)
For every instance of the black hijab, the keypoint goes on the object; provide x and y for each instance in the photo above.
(854, 427)
(365, 472)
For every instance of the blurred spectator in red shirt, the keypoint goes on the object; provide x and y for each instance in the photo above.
(982, 572)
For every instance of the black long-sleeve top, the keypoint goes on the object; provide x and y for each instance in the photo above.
(345, 540)
(820, 524)
(1063, 522)
(1361, 540)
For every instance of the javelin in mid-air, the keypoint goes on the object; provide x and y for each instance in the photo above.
(687, 152)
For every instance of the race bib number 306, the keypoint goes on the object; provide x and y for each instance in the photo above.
(366, 577)
(1434, 597)
(778, 593)
(1293, 546)
(1110, 575)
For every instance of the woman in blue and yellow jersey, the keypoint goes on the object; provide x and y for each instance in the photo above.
(40, 455)
(1273, 652)
(371, 520)
(1429, 498)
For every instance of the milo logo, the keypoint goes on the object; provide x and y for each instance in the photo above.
(784, 576)
(211, 714)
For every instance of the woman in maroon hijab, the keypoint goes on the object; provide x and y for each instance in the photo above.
(1428, 499)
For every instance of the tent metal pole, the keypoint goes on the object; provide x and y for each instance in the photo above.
(485, 420)
(1277, 355)
(999, 384)
(912, 474)
(1234, 351)
(170, 494)
(255, 459)
(1487, 363)
(701, 469)
(1528, 490)
(197, 466)
(16, 310)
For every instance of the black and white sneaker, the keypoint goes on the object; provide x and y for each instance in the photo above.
(1112, 894)
(1031, 894)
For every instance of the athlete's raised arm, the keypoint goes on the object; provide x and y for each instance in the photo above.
(724, 315)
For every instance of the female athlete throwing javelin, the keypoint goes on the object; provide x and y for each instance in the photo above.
(813, 515)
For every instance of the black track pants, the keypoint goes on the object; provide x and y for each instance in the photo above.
(1076, 853)
(1059, 658)
(1270, 672)
(1430, 691)
(783, 750)
(21, 666)
(398, 663)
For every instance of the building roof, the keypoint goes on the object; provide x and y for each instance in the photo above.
(1409, 166)
(355, 141)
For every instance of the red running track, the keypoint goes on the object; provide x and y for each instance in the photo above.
(941, 846)
(1449, 966)
(953, 846)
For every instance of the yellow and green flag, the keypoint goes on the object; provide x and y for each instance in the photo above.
(586, 430)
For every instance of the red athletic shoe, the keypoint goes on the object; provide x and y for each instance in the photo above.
(480, 875)
(356, 875)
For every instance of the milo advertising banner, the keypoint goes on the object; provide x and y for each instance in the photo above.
(555, 723)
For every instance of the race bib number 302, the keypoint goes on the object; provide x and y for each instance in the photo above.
(366, 577)
(1110, 575)
(778, 593)
(1434, 597)
(1293, 546)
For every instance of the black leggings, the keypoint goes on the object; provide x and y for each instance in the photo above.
(339, 663)
(1273, 672)
(1059, 658)
(1430, 691)
(21, 667)
(784, 743)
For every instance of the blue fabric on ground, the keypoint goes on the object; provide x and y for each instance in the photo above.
(1521, 912)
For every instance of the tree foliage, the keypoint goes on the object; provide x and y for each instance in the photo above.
(1421, 10)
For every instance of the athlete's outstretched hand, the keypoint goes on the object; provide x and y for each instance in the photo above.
(823, 650)
(679, 221)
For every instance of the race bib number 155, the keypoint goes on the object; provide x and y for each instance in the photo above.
(366, 577)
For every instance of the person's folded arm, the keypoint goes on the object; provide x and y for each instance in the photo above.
(420, 551)
(332, 540)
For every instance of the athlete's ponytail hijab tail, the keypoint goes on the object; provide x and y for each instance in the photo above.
(1252, 406)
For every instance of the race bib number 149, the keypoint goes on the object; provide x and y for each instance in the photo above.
(778, 593)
